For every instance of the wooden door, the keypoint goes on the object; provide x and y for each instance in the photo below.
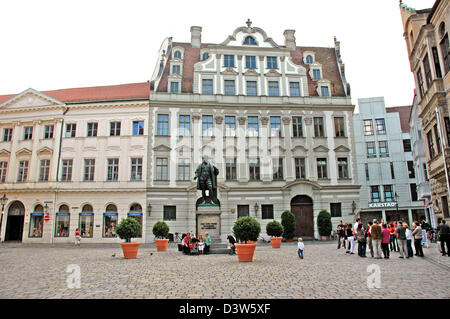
(304, 220)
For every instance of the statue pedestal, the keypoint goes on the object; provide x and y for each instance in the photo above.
(208, 220)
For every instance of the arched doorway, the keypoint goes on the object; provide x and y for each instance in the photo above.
(14, 224)
(302, 208)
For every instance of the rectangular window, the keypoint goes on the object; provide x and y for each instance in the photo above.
(322, 168)
(136, 169)
(300, 168)
(162, 169)
(163, 125)
(109, 224)
(339, 130)
(427, 70)
(66, 171)
(437, 65)
(445, 206)
(316, 74)
(89, 169)
(273, 88)
(174, 87)
(272, 62)
(297, 126)
(438, 138)
(228, 60)
(62, 223)
(229, 87)
(250, 62)
(336, 209)
(23, 171)
(113, 169)
(44, 170)
(277, 168)
(447, 129)
(391, 164)
(388, 193)
(243, 210)
(366, 168)
(71, 129)
(381, 126)
(86, 225)
(28, 133)
(207, 86)
(254, 167)
(184, 169)
(343, 167)
(411, 171)
(138, 128)
(413, 189)
(368, 128)
(420, 82)
(92, 129)
(318, 127)
(184, 125)
(176, 69)
(294, 88)
(407, 145)
(230, 126)
(267, 212)
(375, 194)
(48, 131)
(445, 51)
(275, 126)
(371, 149)
(230, 169)
(114, 129)
(430, 144)
(253, 128)
(425, 172)
(3, 170)
(383, 148)
(207, 125)
(170, 213)
(7, 134)
(324, 91)
(36, 225)
(251, 88)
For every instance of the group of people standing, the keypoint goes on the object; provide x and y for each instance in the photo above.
(191, 244)
(381, 238)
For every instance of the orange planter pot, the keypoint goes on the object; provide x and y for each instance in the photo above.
(130, 250)
(161, 244)
(276, 242)
(252, 242)
(325, 238)
(245, 252)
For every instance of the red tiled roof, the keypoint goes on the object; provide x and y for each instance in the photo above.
(403, 112)
(97, 93)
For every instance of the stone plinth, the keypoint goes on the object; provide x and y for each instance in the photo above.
(208, 220)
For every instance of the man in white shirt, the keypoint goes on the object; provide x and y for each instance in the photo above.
(355, 226)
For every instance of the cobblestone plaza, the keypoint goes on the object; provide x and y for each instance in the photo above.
(39, 271)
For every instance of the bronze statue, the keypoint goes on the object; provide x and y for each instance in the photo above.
(207, 180)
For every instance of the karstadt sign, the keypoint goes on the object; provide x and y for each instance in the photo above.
(378, 205)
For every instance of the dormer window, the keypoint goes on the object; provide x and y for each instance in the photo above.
(249, 41)
(176, 69)
(309, 59)
(324, 91)
(177, 55)
(316, 74)
(205, 56)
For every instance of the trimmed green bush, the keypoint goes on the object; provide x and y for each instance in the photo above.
(288, 222)
(274, 229)
(246, 228)
(128, 228)
(324, 223)
(161, 230)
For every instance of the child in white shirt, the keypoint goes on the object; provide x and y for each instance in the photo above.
(301, 246)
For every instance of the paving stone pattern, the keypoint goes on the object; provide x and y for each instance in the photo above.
(39, 271)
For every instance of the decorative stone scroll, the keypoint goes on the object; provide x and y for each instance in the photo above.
(264, 120)
(308, 120)
(286, 120)
(218, 119)
(242, 120)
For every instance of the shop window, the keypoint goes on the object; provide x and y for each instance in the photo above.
(136, 213)
(86, 224)
(36, 222)
(110, 218)
(62, 222)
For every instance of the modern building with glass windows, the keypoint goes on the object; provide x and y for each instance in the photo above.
(385, 166)
(276, 120)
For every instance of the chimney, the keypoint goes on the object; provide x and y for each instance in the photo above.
(196, 36)
(289, 40)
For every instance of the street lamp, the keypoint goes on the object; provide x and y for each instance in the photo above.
(46, 209)
(396, 205)
(3, 201)
(256, 209)
(149, 209)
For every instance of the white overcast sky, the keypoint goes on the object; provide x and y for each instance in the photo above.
(59, 44)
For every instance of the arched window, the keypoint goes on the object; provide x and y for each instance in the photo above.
(205, 56)
(177, 55)
(36, 222)
(135, 208)
(63, 209)
(249, 40)
(309, 59)
(38, 208)
(62, 221)
(86, 221)
(110, 219)
(87, 209)
(111, 208)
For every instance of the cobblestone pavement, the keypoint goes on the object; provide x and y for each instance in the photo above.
(40, 272)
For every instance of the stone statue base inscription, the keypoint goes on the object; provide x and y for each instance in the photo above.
(208, 220)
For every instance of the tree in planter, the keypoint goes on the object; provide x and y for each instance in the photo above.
(128, 228)
(288, 222)
(246, 228)
(324, 223)
(160, 230)
(275, 230)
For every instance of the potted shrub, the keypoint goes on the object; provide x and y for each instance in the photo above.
(161, 231)
(288, 223)
(246, 229)
(129, 228)
(275, 231)
(324, 224)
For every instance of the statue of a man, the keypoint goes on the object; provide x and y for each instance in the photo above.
(207, 180)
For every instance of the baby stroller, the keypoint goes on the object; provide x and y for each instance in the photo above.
(194, 246)
(232, 241)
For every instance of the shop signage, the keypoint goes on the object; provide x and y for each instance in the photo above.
(110, 214)
(37, 214)
(62, 214)
(134, 214)
(86, 214)
(379, 205)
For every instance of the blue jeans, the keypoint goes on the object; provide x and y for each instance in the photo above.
(300, 253)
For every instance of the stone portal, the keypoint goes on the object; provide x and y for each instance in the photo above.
(208, 220)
